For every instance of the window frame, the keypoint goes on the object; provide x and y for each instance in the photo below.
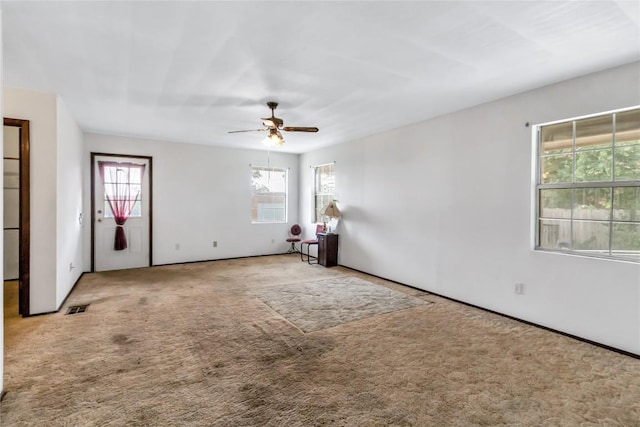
(611, 184)
(285, 171)
(315, 218)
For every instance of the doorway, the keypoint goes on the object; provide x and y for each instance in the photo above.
(16, 195)
(121, 217)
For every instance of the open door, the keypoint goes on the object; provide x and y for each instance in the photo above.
(120, 212)
(16, 190)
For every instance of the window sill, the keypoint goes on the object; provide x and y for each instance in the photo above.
(588, 255)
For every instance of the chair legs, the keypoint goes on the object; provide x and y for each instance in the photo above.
(294, 250)
(308, 254)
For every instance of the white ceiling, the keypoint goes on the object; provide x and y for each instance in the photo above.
(191, 71)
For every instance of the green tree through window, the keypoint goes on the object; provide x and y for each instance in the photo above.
(588, 191)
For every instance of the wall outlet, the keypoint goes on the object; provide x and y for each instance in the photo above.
(273, 241)
(177, 246)
(519, 288)
(215, 243)
(71, 266)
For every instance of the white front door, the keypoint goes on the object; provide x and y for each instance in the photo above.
(121, 195)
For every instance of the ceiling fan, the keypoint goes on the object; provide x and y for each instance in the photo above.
(274, 125)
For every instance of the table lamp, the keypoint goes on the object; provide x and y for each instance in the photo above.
(331, 211)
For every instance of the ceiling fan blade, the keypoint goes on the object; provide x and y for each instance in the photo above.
(299, 129)
(249, 130)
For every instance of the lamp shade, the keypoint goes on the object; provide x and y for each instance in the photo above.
(274, 139)
(331, 211)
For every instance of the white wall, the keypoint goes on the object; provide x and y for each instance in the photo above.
(69, 202)
(200, 194)
(445, 205)
(40, 110)
(56, 195)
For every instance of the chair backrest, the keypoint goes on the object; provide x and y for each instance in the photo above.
(295, 230)
(319, 228)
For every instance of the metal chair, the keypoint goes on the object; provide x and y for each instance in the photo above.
(294, 236)
(309, 242)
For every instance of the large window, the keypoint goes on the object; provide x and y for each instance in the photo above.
(588, 186)
(268, 194)
(323, 189)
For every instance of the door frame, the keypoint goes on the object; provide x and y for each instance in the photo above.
(24, 234)
(93, 202)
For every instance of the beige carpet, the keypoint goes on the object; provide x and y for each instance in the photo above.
(322, 304)
(192, 345)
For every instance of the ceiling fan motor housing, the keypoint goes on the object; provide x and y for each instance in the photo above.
(273, 121)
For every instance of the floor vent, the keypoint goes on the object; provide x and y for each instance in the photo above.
(75, 309)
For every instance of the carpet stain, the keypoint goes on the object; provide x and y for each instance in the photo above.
(120, 339)
(255, 395)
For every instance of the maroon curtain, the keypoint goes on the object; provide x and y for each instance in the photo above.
(122, 185)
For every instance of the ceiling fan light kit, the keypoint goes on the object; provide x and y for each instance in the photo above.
(274, 139)
(274, 125)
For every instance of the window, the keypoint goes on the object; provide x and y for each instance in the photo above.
(268, 195)
(122, 188)
(588, 186)
(323, 189)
